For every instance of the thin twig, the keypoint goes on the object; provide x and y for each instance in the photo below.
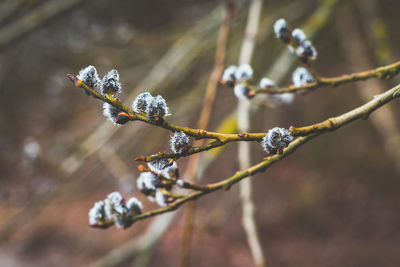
(244, 155)
(205, 115)
(384, 72)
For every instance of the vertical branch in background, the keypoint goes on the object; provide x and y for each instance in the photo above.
(243, 118)
(205, 114)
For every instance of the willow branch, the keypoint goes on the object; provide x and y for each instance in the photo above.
(363, 111)
(384, 72)
(197, 133)
(227, 183)
(188, 152)
(221, 138)
(329, 125)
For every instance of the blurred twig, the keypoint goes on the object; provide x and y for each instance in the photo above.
(243, 117)
(205, 115)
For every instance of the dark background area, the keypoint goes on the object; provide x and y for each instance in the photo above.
(334, 202)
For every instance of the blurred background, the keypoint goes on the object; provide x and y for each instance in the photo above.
(333, 202)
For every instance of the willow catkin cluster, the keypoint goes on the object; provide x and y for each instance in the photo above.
(155, 184)
(109, 86)
(114, 210)
(296, 40)
(152, 107)
(238, 77)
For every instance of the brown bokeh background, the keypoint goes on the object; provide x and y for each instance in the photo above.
(334, 202)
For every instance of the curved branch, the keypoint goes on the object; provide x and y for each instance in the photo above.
(363, 111)
(309, 132)
(384, 72)
(197, 133)
(190, 151)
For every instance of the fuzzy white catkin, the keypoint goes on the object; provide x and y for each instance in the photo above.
(279, 25)
(241, 91)
(111, 112)
(96, 214)
(307, 50)
(298, 36)
(158, 165)
(179, 142)
(170, 171)
(157, 107)
(113, 203)
(89, 76)
(180, 182)
(276, 139)
(141, 102)
(243, 72)
(161, 199)
(146, 182)
(301, 76)
(266, 83)
(228, 76)
(282, 30)
(134, 205)
(110, 83)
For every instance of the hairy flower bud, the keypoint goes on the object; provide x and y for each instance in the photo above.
(146, 183)
(301, 76)
(298, 36)
(276, 140)
(306, 51)
(161, 198)
(266, 83)
(243, 72)
(228, 78)
(179, 142)
(141, 102)
(164, 167)
(157, 107)
(158, 165)
(134, 205)
(181, 183)
(115, 115)
(89, 77)
(110, 83)
(282, 30)
(97, 216)
(113, 203)
(113, 210)
(241, 91)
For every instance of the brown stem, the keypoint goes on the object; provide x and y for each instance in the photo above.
(384, 72)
